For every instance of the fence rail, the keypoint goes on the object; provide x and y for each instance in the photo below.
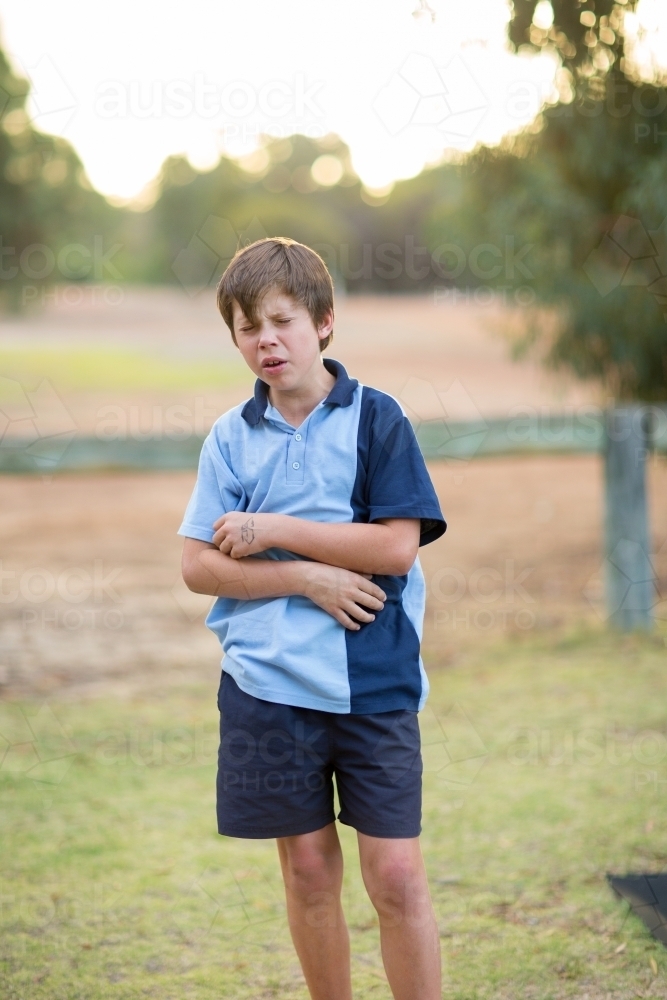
(439, 439)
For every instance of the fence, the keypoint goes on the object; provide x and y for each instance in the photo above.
(438, 439)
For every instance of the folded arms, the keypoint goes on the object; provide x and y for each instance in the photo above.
(335, 573)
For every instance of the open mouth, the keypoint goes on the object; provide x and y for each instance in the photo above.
(273, 365)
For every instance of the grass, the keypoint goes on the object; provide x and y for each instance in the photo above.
(546, 759)
(92, 368)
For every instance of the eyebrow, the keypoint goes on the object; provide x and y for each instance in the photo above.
(279, 313)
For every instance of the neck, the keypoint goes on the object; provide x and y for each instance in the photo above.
(295, 404)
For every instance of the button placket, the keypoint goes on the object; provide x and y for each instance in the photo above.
(296, 456)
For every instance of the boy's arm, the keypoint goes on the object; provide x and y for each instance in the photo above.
(388, 546)
(344, 595)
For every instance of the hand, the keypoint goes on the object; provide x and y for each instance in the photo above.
(340, 592)
(239, 534)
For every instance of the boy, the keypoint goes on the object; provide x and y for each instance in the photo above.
(311, 501)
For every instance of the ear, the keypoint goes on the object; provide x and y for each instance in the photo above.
(325, 327)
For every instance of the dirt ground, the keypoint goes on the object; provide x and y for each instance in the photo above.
(90, 591)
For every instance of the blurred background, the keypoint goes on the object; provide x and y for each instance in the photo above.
(488, 186)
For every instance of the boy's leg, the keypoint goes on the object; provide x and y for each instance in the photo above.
(395, 877)
(312, 866)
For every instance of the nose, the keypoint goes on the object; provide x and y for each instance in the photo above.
(267, 335)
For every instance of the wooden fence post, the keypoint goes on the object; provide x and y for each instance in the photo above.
(629, 577)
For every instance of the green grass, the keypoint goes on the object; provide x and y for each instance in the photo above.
(93, 368)
(542, 775)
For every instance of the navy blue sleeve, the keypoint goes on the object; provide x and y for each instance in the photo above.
(392, 478)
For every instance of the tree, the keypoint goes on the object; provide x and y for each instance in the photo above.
(46, 202)
(604, 238)
(585, 190)
(599, 166)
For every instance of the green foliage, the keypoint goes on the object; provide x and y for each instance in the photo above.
(602, 240)
(587, 192)
(45, 200)
(549, 192)
(275, 195)
(585, 33)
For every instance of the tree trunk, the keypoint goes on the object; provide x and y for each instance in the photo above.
(629, 572)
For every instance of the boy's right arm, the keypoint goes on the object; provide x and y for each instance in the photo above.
(340, 592)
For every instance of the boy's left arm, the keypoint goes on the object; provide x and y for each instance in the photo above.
(387, 547)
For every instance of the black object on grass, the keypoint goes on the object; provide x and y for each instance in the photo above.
(647, 896)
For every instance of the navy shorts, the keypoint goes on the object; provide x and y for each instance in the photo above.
(276, 765)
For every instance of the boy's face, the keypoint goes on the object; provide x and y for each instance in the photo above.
(283, 347)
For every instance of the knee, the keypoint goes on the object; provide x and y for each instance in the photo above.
(394, 883)
(309, 871)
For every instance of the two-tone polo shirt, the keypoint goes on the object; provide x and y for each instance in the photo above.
(354, 458)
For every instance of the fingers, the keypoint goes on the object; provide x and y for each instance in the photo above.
(227, 544)
(220, 536)
(371, 588)
(360, 614)
(370, 596)
(368, 601)
(348, 621)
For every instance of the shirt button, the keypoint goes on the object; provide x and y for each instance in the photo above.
(295, 465)
(297, 437)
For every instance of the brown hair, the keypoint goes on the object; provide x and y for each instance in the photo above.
(276, 262)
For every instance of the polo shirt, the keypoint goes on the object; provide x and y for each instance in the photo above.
(354, 458)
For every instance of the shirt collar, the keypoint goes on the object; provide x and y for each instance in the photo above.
(340, 395)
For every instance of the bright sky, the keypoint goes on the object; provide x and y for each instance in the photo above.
(132, 82)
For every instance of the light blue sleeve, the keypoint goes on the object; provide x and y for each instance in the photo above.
(217, 491)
